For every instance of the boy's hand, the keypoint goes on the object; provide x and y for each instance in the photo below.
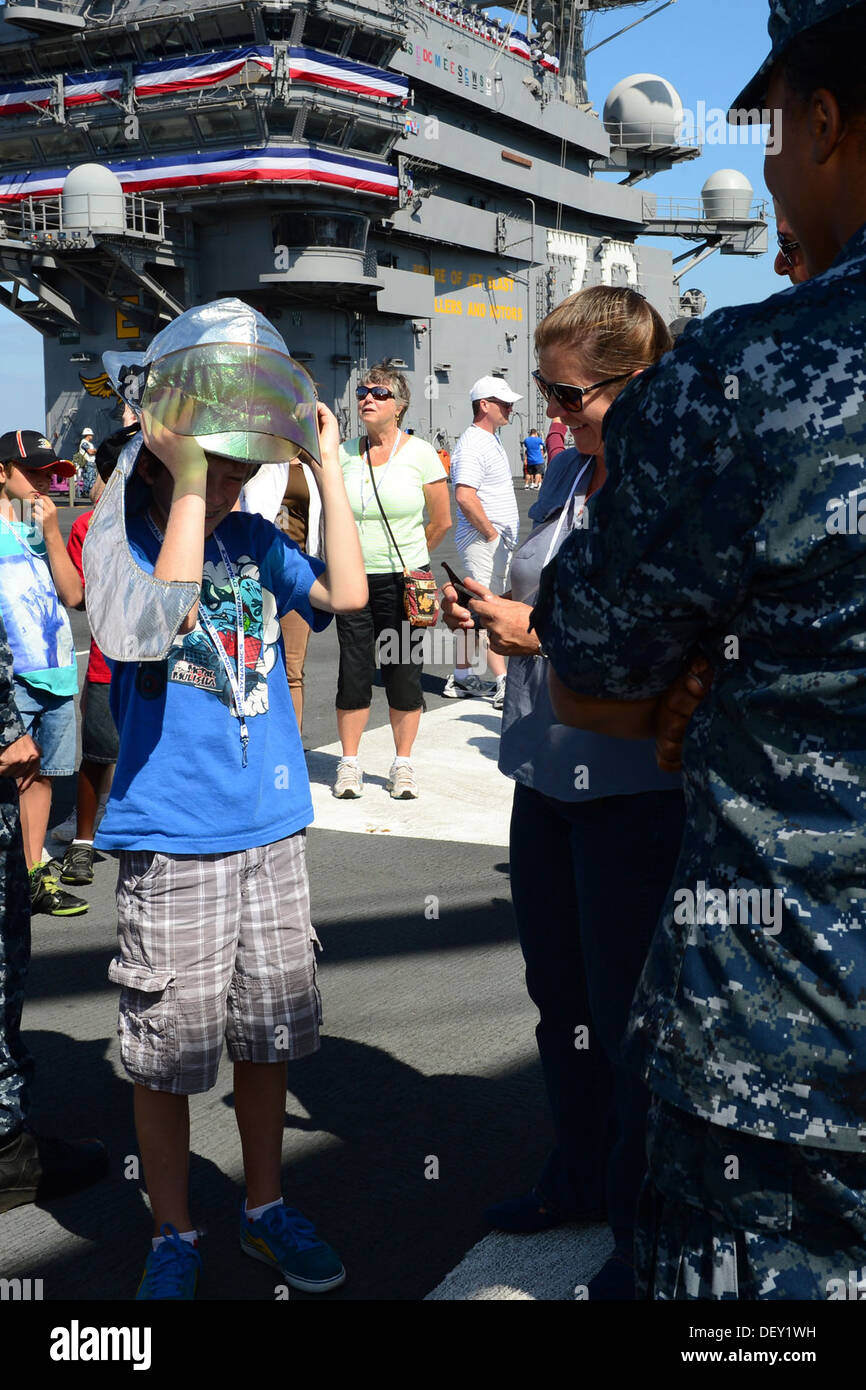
(45, 516)
(329, 438)
(182, 454)
(21, 760)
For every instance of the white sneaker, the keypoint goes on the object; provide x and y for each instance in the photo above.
(468, 688)
(349, 783)
(499, 693)
(401, 782)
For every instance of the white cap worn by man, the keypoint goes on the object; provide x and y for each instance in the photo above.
(487, 523)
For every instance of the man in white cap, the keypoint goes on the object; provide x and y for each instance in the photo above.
(488, 521)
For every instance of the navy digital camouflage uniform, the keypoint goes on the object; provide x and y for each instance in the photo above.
(734, 466)
(16, 1066)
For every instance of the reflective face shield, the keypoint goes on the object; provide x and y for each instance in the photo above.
(222, 374)
(242, 401)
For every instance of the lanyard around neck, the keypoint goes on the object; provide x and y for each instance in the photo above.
(370, 466)
(551, 549)
(237, 682)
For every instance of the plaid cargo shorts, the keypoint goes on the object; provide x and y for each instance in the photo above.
(213, 947)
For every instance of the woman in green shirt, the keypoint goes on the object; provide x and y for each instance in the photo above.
(386, 470)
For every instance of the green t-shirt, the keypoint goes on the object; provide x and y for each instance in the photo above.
(400, 484)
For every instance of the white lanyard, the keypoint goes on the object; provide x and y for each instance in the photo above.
(562, 515)
(381, 475)
(237, 682)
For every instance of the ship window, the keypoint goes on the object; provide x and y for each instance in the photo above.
(15, 148)
(325, 128)
(169, 131)
(225, 124)
(103, 49)
(325, 228)
(372, 139)
(111, 137)
(57, 144)
(162, 39)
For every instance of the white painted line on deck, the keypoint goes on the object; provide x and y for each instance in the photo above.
(546, 1267)
(463, 795)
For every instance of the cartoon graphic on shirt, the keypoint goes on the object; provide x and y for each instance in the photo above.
(37, 627)
(193, 660)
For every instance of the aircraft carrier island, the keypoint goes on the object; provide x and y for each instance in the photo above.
(402, 179)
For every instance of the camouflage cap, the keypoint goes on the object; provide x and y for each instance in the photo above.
(788, 19)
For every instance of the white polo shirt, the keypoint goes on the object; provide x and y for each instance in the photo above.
(480, 461)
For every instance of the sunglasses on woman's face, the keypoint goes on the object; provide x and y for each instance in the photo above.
(379, 393)
(571, 397)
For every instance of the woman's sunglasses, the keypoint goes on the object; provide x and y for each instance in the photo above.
(379, 393)
(787, 249)
(571, 396)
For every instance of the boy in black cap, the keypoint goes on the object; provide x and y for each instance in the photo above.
(38, 579)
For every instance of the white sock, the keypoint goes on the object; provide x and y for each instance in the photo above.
(461, 673)
(402, 762)
(191, 1238)
(253, 1213)
(345, 758)
(83, 842)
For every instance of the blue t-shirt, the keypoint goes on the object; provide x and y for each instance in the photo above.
(534, 446)
(180, 786)
(37, 624)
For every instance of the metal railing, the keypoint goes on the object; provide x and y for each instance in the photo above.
(662, 134)
(42, 218)
(721, 207)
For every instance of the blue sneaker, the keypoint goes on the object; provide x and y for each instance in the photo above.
(171, 1271)
(287, 1241)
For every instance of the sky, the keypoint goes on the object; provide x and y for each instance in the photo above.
(705, 49)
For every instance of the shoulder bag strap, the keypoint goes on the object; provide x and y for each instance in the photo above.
(381, 508)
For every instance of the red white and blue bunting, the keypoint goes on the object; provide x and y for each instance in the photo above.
(270, 164)
(200, 71)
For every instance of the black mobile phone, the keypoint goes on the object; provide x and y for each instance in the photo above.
(463, 595)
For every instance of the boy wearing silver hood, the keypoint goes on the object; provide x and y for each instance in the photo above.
(210, 799)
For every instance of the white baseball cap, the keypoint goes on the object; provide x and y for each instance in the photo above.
(88, 430)
(493, 388)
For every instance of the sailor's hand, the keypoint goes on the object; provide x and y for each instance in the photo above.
(676, 707)
(181, 454)
(21, 760)
(505, 622)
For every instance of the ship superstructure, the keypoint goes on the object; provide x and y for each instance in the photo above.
(401, 179)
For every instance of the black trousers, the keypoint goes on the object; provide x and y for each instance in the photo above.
(588, 882)
(400, 658)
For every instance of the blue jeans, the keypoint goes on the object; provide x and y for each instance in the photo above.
(588, 882)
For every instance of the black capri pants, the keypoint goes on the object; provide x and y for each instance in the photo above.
(401, 657)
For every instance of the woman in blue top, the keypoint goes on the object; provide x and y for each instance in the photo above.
(596, 826)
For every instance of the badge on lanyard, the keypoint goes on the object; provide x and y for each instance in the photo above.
(237, 681)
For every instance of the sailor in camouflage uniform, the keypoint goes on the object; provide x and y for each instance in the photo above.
(32, 1167)
(733, 524)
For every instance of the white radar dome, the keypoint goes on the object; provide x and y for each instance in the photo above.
(643, 110)
(92, 200)
(727, 194)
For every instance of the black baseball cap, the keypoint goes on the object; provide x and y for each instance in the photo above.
(30, 449)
